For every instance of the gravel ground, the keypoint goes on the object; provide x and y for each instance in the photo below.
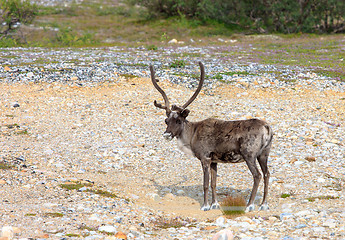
(84, 119)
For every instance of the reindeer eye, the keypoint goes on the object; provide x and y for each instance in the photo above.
(178, 121)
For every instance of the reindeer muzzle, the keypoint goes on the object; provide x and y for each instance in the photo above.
(168, 136)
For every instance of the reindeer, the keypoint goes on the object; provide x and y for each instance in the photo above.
(215, 141)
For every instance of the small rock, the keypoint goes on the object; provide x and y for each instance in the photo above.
(220, 221)
(310, 159)
(120, 235)
(321, 180)
(169, 196)
(166, 190)
(30, 74)
(225, 234)
(154, 196)
(7, 232)
(303, 213)
(173, 41)
(94, 217)
(180, 192)
(15, 105)
(83, 189)
(107, 228)
(301, 226)
(285, 216)
(331, 223)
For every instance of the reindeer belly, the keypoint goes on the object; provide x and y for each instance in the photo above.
(228, 157)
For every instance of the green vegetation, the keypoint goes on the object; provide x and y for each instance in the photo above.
(106, 23)
(102, 193)
(22, 132)
(12, 14)
(75, 185)
(53, 214)
(285, 16)
(285, 195)
(152, 47)
(176, 222)
(5, 166)
(30, 214)
(73, 235)
(178, 64)
(327, 197)
(233, 206)
(128, 76)
(11, 126)
(84, 227)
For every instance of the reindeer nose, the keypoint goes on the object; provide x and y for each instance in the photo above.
(168, 136)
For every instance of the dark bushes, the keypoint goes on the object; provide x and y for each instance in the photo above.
(12, 14)
(285, 16)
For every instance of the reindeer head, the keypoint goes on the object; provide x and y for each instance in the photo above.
(176, 116)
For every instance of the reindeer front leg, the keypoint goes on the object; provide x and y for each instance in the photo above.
(206, 170)
(214, 204)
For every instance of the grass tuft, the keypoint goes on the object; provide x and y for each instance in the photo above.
(233, 205)
(176, 222)
(285, 195)
(30, 215)
(75, 185)
(5, 166)
(103, 193)
(178, 64)
(324, 197)
(53, 214)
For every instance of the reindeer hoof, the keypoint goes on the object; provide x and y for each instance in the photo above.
(215, 205)
(205, 208)
(264, 207)
(250, 208)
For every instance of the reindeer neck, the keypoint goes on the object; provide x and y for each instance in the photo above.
(186, 134)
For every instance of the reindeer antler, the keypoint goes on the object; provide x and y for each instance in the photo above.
(197, 91)
(166, 100)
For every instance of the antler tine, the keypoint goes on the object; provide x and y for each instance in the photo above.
(166, 100)
(201, 82)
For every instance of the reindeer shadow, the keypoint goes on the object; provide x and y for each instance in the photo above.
(196, 192)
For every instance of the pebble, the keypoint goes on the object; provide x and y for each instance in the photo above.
(107, 228)
(225, 234)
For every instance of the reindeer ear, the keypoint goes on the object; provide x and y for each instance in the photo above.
(185, 113)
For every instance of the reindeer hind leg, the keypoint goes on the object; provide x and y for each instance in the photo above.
(251, 163)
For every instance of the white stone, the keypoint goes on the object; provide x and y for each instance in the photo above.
(166, 190)
(107, 228)
(180, 192)
(303, 213)
(154, 196)
(220, 221)
(321, 180)
(169, 196)
(95, 217)
(331, 223)
(173, 41)
(7, 231)
(30, 74)
(223, 234)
